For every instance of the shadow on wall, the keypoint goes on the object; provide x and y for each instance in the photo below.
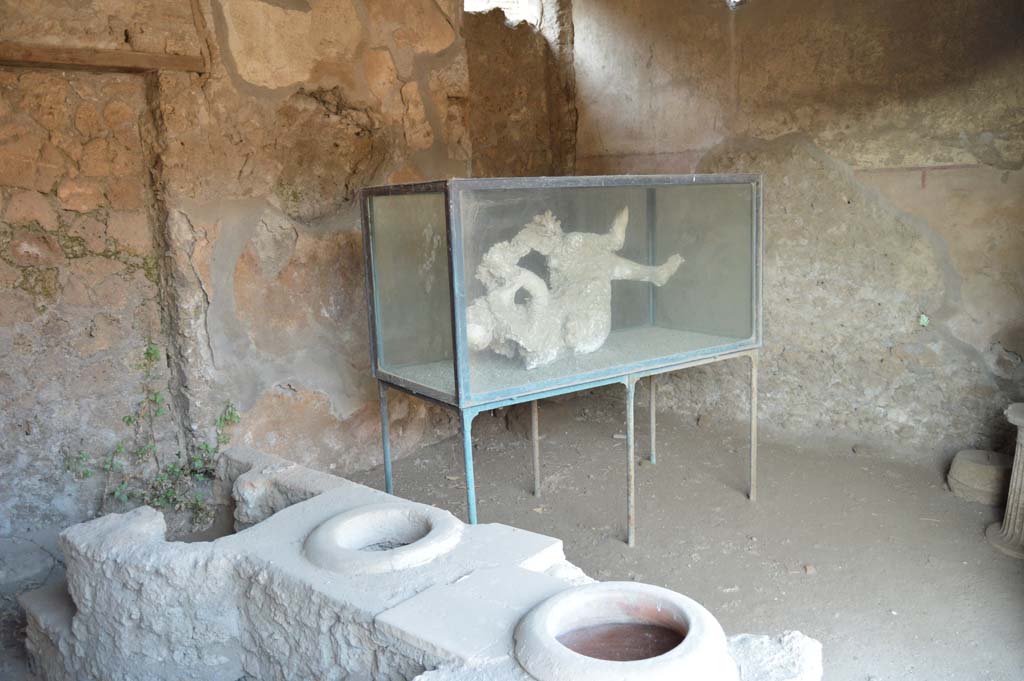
(662, 77)
(926, 107)
(522, 113)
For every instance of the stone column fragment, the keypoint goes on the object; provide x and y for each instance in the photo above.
(1009, 536)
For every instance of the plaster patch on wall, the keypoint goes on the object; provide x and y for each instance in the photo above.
(266, 260)
(977, 214)
(846, 277)
(269, 43)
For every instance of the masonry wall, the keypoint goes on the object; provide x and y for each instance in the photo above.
(79, 285)
(522, 110)
(891, 139)
(212, 214)
(260, 162)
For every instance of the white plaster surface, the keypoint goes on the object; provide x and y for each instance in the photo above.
(264, 484)
(789, 657)
(506, 669)
(489, 604)
(143, 608)
(138, 608)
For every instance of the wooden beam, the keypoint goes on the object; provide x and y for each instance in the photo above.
(90, 59)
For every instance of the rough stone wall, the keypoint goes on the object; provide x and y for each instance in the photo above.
(79, 295)
(222, 204)
(213, 214)
(260, 162)
(144, 25)
(846, 280)
(522, 115)
(891, 142)
(876, 84)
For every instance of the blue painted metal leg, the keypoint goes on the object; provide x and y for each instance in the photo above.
(654, 411)
(385, 436)
(467, 452)
(753, 426)
(535, 440)
(630, 465)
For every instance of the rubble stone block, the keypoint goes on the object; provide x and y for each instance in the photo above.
(980, 476)
(9, 275)
(80, 195)
(95, 160)
(26, 160)
(91, 231)
(131, 229)
(35, 249)
(270, 44)
(418, 133)
(382, 79)
(126, 193)
(145, 606)
(791, 656)
(25, 207)
(335, 29)
(45, 98)
(88, 120)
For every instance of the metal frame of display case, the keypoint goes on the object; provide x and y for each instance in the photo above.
(470, 405)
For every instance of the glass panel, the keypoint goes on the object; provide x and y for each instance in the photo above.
(410, 253)
(569, 284)
(711, 226)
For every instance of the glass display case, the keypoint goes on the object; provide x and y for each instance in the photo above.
(483, 290)
(488, 292)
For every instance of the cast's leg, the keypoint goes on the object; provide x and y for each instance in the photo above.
(623, 269)
(615, 238)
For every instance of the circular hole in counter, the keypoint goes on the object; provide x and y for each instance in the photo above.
(381, 538)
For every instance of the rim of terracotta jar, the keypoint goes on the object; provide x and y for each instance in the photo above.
(702, 654)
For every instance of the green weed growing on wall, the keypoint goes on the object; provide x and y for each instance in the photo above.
(135, 471)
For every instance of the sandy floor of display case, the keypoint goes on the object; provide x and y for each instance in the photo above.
(490, 372)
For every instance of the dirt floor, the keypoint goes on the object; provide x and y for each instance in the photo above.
(876, 559)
